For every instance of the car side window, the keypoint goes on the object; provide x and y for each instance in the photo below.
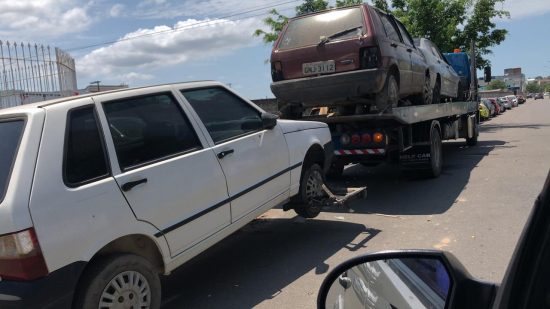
(404, 34)
(391, 31)
(148, 128)
(85, 159)
(224, 115)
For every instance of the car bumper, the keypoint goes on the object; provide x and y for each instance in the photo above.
(53, 291)
(327, 89)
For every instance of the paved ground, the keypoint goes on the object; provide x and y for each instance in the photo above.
(476, 209)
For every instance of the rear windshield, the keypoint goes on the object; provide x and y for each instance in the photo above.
(311, 30)
(10, 135)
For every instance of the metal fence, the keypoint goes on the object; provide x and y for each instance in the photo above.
(29, 74)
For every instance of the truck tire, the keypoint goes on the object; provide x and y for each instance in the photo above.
(436, 153)
(388, 98)
(335, 170)
(99, 282)
(472, 141)
(310, 189)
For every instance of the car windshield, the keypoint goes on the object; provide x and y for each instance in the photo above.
(311, 30)
(10, 135)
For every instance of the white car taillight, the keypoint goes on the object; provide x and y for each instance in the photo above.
(21, 257)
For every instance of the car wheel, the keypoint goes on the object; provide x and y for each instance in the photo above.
(308, 200)
(119, 281)
(436, 97)
(388, 98)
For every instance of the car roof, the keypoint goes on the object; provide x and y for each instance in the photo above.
(28, 108)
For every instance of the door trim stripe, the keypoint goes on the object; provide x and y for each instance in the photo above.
(228, 200)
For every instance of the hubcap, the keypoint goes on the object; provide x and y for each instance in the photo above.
(313, 186)
(127, 290)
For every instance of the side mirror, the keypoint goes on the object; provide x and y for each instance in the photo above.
(487, 74)
(269, 121)
(404, 279)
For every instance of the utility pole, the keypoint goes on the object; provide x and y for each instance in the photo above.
(97, 83)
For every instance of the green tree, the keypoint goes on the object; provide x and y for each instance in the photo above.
(341, 3)
(311, 6)
(496, 84)
(547, 88)
(532, 88)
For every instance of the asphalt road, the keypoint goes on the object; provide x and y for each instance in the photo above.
(476, 209)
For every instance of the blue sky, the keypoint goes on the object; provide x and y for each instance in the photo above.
(211, 44)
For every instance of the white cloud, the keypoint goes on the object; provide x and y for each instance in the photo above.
(524, 8)
(133, 77)
(116, 10)
(198, 40)
(28, 19)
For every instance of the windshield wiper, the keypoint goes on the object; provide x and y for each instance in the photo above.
(338, 34)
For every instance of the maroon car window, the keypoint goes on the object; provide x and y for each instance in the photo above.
(335, 25)
(391, 31)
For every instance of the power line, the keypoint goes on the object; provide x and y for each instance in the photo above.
(194, 25)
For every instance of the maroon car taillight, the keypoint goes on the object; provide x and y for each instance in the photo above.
(276, 71)
(21, 257)
(369, 57)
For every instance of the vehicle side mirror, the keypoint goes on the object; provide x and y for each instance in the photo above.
(404, 279)
(269, 121)
(487, 74)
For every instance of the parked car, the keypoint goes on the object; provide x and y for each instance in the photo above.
(349, 57)
(437, 279)
(539, 96)
(113, 189)
(501, 103)
(507, 103)
(521, 99)
(513, 100)
(484, 112)
(498, 109)
(444, 79)
(490, 107)
(529, 96)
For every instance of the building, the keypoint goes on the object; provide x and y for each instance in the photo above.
(513, 78)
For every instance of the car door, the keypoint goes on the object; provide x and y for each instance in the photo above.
(255, 161)
(403, 57)
(168, 174)
(418, 63)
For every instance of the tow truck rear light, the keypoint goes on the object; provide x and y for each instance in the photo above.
(366, 138)
(345, 139)
(369, 57)
(21, 257)
(355, 139)
(378, 137)
(276, 71)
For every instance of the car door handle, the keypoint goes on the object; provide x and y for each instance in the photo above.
(129, 185)
(393, 45)
(224, 153)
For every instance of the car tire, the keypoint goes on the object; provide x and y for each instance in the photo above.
(436, 96)
(310, 189)
(100, 280)
(388, 98)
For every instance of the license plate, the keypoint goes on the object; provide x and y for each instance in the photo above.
(320, 67)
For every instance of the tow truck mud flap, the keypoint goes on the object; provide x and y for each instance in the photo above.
(416, 157)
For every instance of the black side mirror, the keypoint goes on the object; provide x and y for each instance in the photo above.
(269, 121)
(404, 279)
(487, 74)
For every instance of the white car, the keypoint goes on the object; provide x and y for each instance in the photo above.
(443, 78)
(99, 194)
(514, 100)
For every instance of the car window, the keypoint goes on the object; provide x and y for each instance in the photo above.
(405, 34)
(310, 30)
(389, 26)
(148, 128)
(10, 135)
(224, 115)
(85, 157)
